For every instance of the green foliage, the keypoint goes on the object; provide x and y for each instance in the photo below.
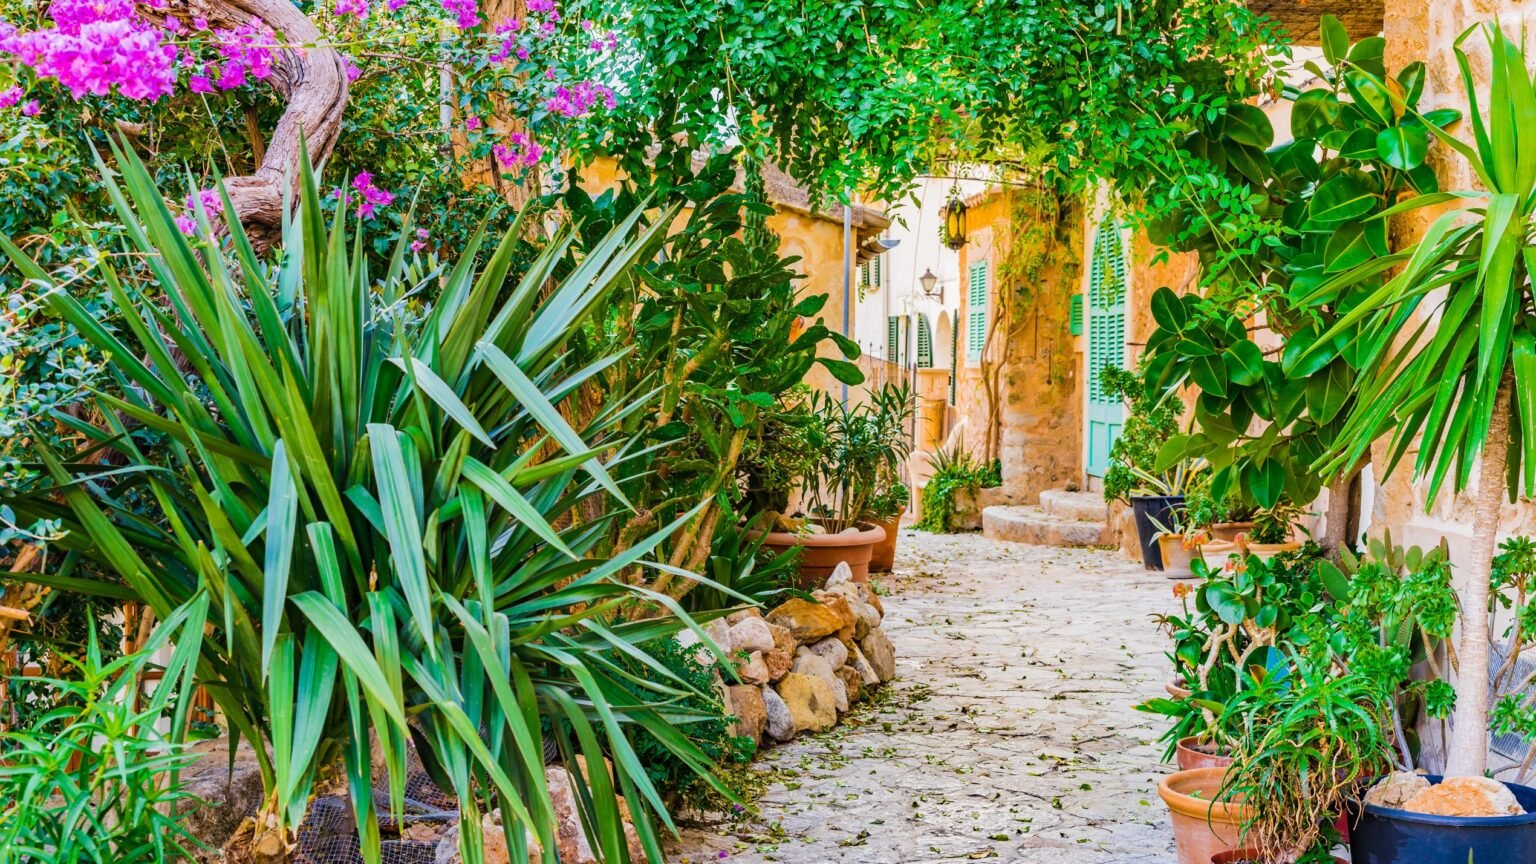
(1152, 417)
(954, 470)
(740, 567)
(366, 500)
(92, 779)
(1317, 208)
(702, 720)
(864, 446)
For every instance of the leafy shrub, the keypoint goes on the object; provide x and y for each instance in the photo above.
(1150, 421)
(954, 471)
(92, 779)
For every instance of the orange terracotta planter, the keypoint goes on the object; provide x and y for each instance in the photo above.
(883, 558)
(1191, 753)
(823, 552)
(1228, 531)
(1202, 826)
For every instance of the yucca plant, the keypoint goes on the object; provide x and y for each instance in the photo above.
(1444, 335)
(370, 504)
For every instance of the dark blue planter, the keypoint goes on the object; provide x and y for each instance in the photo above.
(1381, 835)
(1149, 512)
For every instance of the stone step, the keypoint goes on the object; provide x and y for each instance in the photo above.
(1022, 523)
(1074, 506)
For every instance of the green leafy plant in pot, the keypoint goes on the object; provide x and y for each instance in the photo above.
(1458, 380)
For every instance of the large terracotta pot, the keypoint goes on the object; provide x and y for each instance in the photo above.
(823, 552)
(1266, 551)
(883, 557)
(1177, 689)
(1202, 826)
(1249, 856)
(1191, 752)
(1228, 531)
(1214, 552)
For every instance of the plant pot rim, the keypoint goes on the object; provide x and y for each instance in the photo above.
(1287, 546)
(1527, 818)
(1157, 497)
(1187, 741)
(1204, 809)
(1241, 856)
(868, 533)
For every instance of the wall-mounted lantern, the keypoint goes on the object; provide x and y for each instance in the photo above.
(931, 289)
(954, 220)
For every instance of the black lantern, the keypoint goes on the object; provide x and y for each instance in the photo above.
(954, 220)
(928, 281)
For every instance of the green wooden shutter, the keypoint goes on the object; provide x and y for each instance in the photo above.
(874, 273)
(1106, 344)
(863, 275)
(893, 339)
(1075, 316)
(924, 343)
(954, 370)
(976, 311)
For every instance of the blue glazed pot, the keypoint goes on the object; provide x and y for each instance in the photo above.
(1381, 835)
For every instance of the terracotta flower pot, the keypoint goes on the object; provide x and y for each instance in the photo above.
(1191, 752)
(1176, 556)
(1228, 531)
(1202, 825)
(1250, 856)
(883, 558)
(1214, 552)
(823, 552)
(1266, 551)
(1176, 689)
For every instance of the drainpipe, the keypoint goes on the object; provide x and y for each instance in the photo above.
(847, 273)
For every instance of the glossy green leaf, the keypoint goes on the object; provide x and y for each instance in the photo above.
(1403, 147)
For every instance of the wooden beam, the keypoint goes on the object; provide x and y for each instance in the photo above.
(1361, 18)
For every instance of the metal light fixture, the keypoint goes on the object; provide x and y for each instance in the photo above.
(954, 220)
(929, 282)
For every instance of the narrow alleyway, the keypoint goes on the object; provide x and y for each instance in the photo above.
(1009, 734)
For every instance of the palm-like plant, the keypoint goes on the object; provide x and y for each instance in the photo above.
(370, 506)
(1461, 379)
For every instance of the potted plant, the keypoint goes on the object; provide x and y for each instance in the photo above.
(1461, 394)
(1157, 500)
(886, 509)
(858, 451)
(888, 503)
(1223, 519)
(1206, 819)
(1152, 417)
(1274, 531)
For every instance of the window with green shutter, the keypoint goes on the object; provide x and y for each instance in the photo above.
(977, 295)
(1105, 315)
(893, 339)
(875, 282)
(954, 371)
(924, 343)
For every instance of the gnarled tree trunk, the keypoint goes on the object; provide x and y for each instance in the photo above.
(311, 78)
(1468, 752)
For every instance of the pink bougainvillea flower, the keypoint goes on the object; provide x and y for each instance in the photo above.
(465, 12)
(11, 96)
(422, 234)
(417, 245)
(370, 197)
(96, 47)
(187, 224)
(519, 152)
(356, 8)
(541, 5)
(394, 5)
(200, 83)
(352, 69)
(472, 123)
(31, 109)
(579, 101)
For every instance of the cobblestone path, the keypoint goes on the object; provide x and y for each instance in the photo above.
(1009, 733)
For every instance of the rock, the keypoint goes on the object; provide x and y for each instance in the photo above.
(809, 663)
(839, 694)
(718, 631)
(751, 634)
(754, 670)
(880, 653)
(780, 723)
(810, 701)
(1395, 789)
(861, 666)
(742, 614)
(831, 650)
(494, 840)
(751, 713)
(844, 611)
(570, 839)
(778, 662)
(1465, 796)
(806, 621)
(842, 574)
(853, 682)
(228, 796)
(867, 619)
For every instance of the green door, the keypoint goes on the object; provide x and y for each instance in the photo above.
(1106, 344)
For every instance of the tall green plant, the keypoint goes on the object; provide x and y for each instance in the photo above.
(369, 504)
(1446, 348)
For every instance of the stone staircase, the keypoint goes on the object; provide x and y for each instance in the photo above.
(1061, 519)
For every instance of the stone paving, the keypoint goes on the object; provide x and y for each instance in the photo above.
(1009, 733)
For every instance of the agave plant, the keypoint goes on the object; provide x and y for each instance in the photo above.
(370, 505)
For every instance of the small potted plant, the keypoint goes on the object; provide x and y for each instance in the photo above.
(1274, 531)
(859, 450)
(1157, 500)
(886, 509)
